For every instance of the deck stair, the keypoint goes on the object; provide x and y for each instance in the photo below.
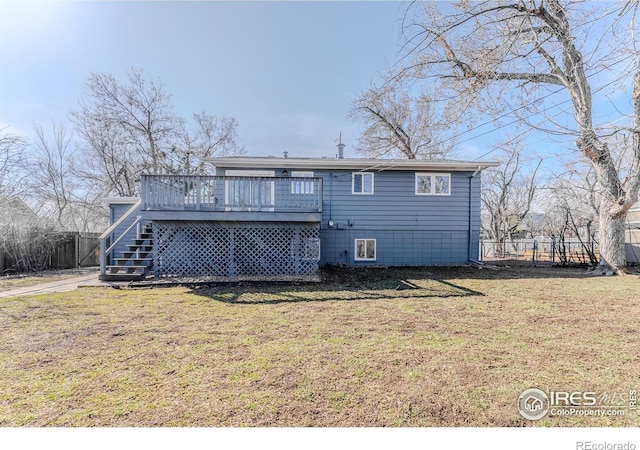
(135, 263)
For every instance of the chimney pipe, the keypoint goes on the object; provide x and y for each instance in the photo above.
(340, 148)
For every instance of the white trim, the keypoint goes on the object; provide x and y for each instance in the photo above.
(121, 200)
(355, 249)
(353, 183)
(250, 173)
(351, 164)
(432, 186)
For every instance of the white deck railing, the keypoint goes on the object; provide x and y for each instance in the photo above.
(222, 193)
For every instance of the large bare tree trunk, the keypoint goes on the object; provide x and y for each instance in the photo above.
(612, 254)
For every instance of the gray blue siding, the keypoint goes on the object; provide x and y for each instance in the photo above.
(117, 211)
(409, 229)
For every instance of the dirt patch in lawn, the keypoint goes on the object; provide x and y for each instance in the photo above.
(373, 347)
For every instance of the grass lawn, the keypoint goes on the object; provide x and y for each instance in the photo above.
(385, 347)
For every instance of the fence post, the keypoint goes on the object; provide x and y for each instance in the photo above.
(103, 256)
(77, 243)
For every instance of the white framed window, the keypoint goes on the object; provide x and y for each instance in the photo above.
(301, 186)
(433, 184)
(249, 190)
(365, 250)
(362, 183)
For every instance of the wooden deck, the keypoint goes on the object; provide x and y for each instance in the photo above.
(231, 194)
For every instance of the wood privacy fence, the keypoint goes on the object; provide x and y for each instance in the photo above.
(68, 250)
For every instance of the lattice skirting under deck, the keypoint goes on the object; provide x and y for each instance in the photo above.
(235, 249)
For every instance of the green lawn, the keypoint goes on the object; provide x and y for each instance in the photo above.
(386, 347)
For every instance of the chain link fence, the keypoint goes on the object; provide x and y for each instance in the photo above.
(544, 249)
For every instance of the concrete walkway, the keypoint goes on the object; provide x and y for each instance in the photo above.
(65, 285)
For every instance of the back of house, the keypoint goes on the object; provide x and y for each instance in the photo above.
(282, 218)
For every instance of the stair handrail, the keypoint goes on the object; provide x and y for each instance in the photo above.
(104, 236)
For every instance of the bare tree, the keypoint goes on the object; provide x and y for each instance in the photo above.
(507, 193)
(56, 184)
(571, 209)
(400, 124)
(52, 172)
(526, 53)
(210, 136)
(12, 163)
(130, 129)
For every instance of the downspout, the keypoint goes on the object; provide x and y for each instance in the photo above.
(471, 218)
(330, 196)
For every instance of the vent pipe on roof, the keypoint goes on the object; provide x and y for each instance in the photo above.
(340, 147)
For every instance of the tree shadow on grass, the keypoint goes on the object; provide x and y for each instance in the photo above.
(378, 283)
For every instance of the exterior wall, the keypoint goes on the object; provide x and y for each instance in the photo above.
(396, 248)
(409, 229)
(632, 235)
(117, 210)
(632, 245)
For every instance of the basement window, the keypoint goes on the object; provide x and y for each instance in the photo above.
(365, 250)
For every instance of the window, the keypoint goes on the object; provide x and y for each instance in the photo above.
(247, 190)
(365, 250)
(433, 184)
(301, 186)
(362, 183)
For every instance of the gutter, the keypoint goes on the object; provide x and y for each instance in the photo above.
(350, 164)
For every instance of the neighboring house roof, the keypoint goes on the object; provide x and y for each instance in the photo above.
(633, 217)
(351, 163)
(14, 211)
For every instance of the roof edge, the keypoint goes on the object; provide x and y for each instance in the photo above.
(120, 200)
(350, 163)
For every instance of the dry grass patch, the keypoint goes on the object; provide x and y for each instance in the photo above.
(408, 347)
(8, 282)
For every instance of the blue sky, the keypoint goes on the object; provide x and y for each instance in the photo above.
(287, 71)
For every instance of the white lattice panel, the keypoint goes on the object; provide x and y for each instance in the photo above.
(235, 249)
